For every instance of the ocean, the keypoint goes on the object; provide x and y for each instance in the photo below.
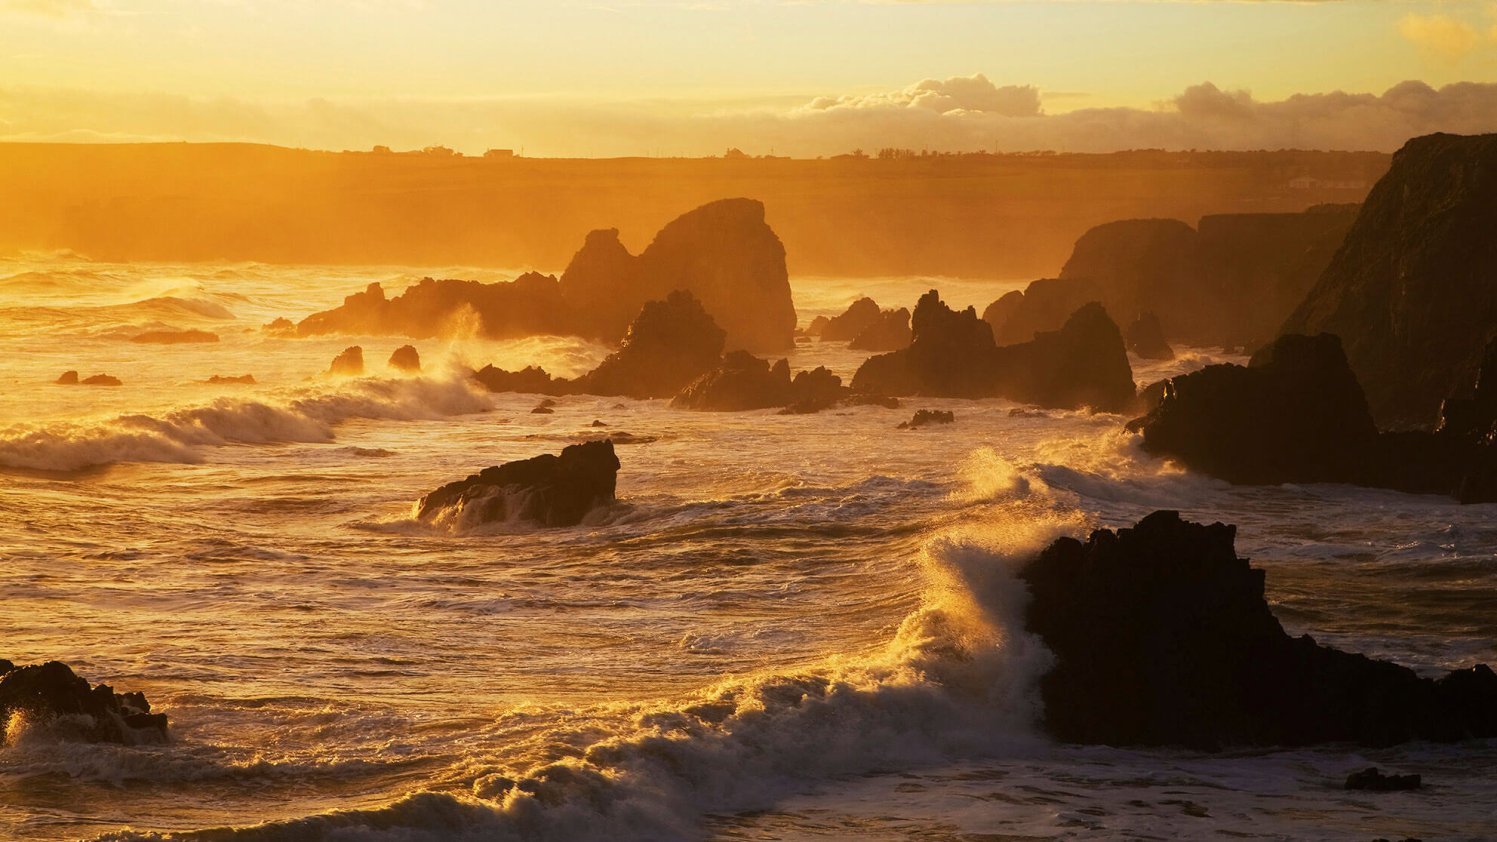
(788, 627)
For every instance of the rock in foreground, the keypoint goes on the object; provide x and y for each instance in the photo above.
(51, 693)
(547, 490)
(1162, 636)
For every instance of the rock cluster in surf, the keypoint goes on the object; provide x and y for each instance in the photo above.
(724, 253)
(1162, 636)
(51, 694)
(547, 490)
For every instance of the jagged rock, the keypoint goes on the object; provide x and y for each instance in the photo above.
(926, 418)
(529, 305)
(1162, 636)
(741, 382)
(405, 358)
(548, 490)
(814, 390)
(68, 378)
(1410, 292)
(174, 337)
(858, 317)
(724, 253)
(1084, 364)
(240, 380)
(1297, 414)
(890, 332)
(532, 380)
(53, 694)
(1372, 779)
(669, 344)
(350, 363)
(817, 325)
(101, 380)
(1146, 338)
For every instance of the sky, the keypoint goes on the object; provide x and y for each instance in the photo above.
(792, 77)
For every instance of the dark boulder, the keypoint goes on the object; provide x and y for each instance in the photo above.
(405, 358)
(953, 354)
(548, 490)
(814, 390)
(1162, 636)
(53, 694)
(926, 418)
(350, 363)
(532, 380)
(669, 344)
(1296, 413)
(890, 332)
(1146, 338)
(1372, 779)
(858, 317)
(1410, 292)
(741, 382)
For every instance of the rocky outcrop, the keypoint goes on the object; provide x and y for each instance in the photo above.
(547, 490)
(744, 382)
(350, 363)
(669, 344)
(1296, 413)
(1231, 281)
(1162, 636)
(817, 325)
(231, 380)
(953, 354)
(926, 418)
(890, 332)
(174, 337)
(532, 380)
(1410, 292)
(50, 694)
(405, 358)
(68, 378)
(724, 253)
(858, 317)
(1145, 338)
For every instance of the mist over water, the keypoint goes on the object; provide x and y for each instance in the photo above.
(799, 627)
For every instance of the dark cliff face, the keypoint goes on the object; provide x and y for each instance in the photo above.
(724, 253)
(1411, 292)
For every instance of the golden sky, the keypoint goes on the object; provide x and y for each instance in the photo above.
(802, 77)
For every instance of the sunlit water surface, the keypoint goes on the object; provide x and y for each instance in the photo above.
(789, 627)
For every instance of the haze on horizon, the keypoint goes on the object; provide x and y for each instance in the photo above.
(804, 78)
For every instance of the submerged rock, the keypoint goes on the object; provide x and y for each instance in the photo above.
(405, 358)
(174, 337)
(1410, 292)
(239, 380)
(927, 417)
(350, 363)
(1146, 338)
(68, 378)
(548, 490)
(1162, 636)
(53, 695)
(101, 380)
(1084, 364)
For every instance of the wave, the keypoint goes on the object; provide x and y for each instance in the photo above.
(958, 679)
(183, 435)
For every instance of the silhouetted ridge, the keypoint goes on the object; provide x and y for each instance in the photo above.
(1411, 291)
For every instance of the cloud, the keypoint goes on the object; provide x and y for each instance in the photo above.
(1442, 35)
(956, 114)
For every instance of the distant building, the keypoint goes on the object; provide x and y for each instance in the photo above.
(499, 153)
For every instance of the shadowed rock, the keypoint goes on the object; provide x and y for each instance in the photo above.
(1162, 636)
(405, 358)
(350, 363)
(527, 306)
(53, 695)
(1297, 414)
(890, 332)
(926, 418)
(68, 378)
(101, 380)
(1410, 292)
(741, 382)
(858, 317)
(548, 490)
(817, 325)
(239, 380)
(1372, 779)
(1146, 338)
(529, 380)
(669, 344)
(1084, 364)
(174, 337)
